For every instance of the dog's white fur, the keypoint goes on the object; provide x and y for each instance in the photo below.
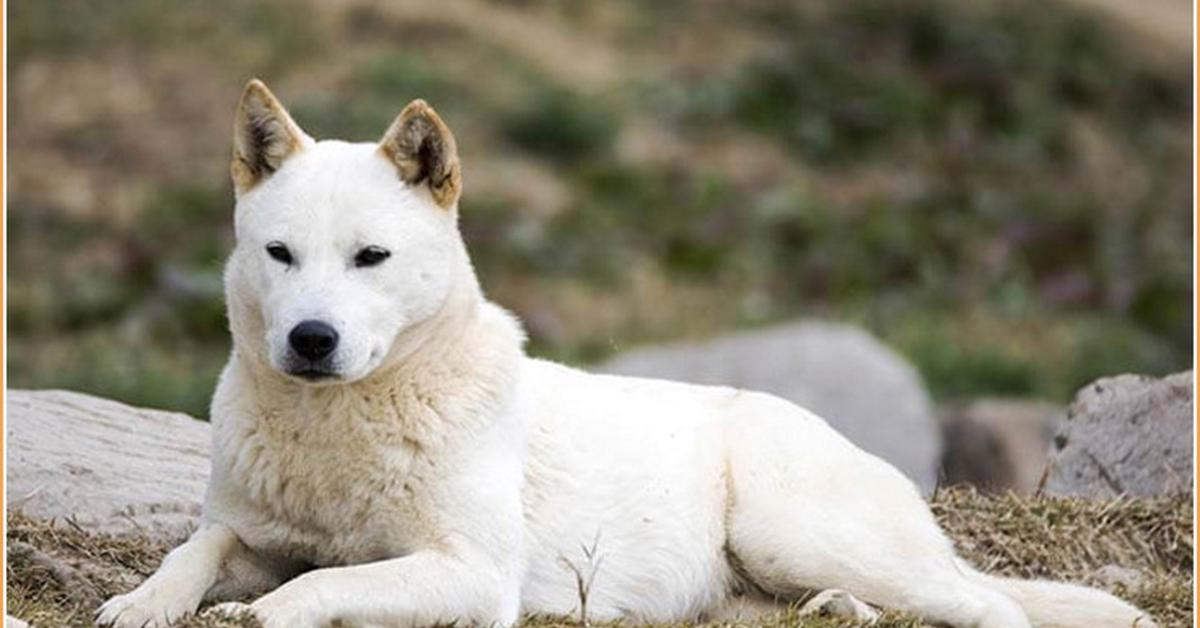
(444, 476)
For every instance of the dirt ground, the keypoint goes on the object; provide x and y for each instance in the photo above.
(1140, 550)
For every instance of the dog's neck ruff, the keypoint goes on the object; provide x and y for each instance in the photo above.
(459, 367)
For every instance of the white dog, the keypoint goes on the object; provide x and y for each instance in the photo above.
(384, 454)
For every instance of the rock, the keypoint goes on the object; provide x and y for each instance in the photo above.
(26, 558)
(1126, 435)
(107, 466)
(863, 388)
(998, 444)
(13, 622)
(1113, 577)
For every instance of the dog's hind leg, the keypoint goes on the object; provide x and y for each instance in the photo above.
(807, 511)
(913, 575)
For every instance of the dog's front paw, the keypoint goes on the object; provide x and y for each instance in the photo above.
(271, 611)
(229, 612)
(280, 610)
(144, 607)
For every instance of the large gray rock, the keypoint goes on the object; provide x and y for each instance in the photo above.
(108, 466)
(1128, 434)
(864, 389)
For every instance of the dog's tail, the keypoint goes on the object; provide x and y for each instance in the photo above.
(1061, 605)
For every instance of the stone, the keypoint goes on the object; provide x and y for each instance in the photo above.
(860, 386)
(107, 466)
(1129, 435)
(998, 444)
(1114, 577)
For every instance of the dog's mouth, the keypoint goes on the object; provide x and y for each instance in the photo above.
(312, 371)
(312, 374)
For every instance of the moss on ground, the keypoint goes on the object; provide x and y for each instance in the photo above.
(58, 573)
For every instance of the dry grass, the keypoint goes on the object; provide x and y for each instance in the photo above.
(58, 573)
(1072, 539)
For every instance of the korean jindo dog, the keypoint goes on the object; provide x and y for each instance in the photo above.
(385, 454)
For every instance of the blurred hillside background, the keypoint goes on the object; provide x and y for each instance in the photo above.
(1000, 189)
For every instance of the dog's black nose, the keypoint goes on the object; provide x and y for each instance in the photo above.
(313, 339)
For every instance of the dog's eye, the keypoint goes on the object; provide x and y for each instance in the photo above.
(370, 256)
(279, 253)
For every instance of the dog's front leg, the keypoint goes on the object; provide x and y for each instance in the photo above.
(423, 589)
(175, 590)
(465, 567)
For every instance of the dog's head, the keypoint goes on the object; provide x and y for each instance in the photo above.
(341, 247)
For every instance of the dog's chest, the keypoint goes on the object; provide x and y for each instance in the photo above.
(334, 494)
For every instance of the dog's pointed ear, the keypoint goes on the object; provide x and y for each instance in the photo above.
(264, 135)
(423, 150)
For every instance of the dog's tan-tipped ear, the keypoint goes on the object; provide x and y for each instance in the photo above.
(422, 148)
(264, 135)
